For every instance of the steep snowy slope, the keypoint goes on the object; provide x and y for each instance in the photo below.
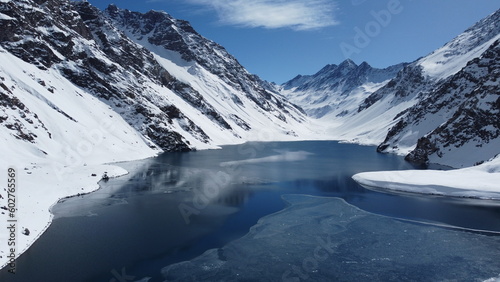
(455, 111)
(241, 98)
(425, 74)
(460, 117)
(337, 90)
(56, 137)
(445, 102)
(43, 116)
(175, 103)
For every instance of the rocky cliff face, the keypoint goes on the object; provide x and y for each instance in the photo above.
(162, 31)
(177, 89)
(463, 114)
(454, 120)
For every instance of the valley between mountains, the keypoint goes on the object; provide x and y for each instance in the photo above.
(82, 88)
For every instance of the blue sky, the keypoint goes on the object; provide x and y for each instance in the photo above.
(278, 39)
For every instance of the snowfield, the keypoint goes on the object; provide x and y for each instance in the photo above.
(482, 181)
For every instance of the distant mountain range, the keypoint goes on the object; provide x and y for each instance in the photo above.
(150, 82)
(335, 89)
(443, 108)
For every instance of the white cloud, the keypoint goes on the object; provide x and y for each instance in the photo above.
(295, 14)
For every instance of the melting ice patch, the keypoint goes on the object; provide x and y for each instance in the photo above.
(326, 239)
(283, 156)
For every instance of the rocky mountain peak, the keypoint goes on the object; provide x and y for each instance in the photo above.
(348, 64)
(110, 55)
(161, 30)
(323, 93)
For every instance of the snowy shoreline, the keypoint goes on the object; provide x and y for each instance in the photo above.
(35, 214)
(479, 182)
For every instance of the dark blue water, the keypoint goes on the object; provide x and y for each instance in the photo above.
(176, 206)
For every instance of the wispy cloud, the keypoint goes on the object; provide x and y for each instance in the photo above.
(295, 14)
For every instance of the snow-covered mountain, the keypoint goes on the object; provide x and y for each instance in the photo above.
(176, 89)
(442, 108)
(337, 90)
(458, 123)
(454, 118)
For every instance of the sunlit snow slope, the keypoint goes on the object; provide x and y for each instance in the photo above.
(442, 108)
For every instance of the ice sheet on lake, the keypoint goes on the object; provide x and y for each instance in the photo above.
(326, 239)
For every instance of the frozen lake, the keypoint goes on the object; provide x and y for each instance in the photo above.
(178, 206)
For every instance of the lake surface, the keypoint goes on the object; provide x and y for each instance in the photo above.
(177, 206)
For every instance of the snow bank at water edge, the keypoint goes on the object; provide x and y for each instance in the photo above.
(482, 181)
